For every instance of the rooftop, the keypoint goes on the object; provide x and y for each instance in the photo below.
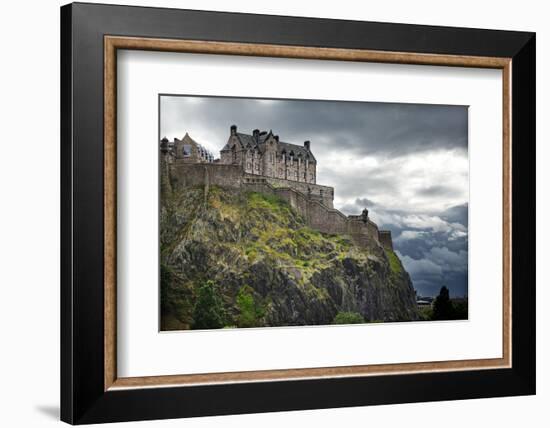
(257, 140)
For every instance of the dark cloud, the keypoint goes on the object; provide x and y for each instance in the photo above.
(433, 247)
(436, 190)
(457, 214)
(407, 163)
(353, 127)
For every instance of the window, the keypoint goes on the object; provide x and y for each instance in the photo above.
(248, 165)
(186, 150)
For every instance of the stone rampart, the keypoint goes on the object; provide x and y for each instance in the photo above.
(317, 212)
(196, 174)
(324, 194)
(384, 236)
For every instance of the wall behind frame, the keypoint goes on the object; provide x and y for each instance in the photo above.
(29, 226)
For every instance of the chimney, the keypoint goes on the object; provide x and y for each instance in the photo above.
(164, 145)
(256, 134)
(233, 129)
(307, 144)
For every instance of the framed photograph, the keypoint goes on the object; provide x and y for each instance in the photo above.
(313, 213)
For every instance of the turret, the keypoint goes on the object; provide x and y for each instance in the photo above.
(365, 216)
(233, 129)
(164, 145)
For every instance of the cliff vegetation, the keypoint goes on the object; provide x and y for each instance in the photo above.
(245, 259)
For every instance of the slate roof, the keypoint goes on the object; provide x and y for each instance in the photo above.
(248, 140)
(202, 150)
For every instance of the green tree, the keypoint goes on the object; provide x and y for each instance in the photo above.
(208, 311)
(460, 309)
(250, 312)
(443, 307)
(348, 318)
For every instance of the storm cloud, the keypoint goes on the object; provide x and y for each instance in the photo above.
(407, 163)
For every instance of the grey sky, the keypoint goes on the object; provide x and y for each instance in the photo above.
(408, 163)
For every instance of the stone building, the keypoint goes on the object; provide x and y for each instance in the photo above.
(186, 150)
(262, 153)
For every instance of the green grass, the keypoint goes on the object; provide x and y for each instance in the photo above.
(348, 318)
(275, 232)
(395, 264)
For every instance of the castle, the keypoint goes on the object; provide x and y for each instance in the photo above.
(262, 163)
(262, 153)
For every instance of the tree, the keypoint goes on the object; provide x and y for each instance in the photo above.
(443, 307)
(250, 312)
(348, 318)
(208, 311)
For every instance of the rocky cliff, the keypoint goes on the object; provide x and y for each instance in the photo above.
(292, 275)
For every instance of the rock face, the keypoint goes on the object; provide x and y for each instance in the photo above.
(296, 275)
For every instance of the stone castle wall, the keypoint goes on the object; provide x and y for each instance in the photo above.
(318, 192)
(386, 239)
(318, 214)
(185, 174)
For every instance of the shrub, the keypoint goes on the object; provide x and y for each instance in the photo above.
(208, 311)
(250, 312)
(460, 310)
(348, 318)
